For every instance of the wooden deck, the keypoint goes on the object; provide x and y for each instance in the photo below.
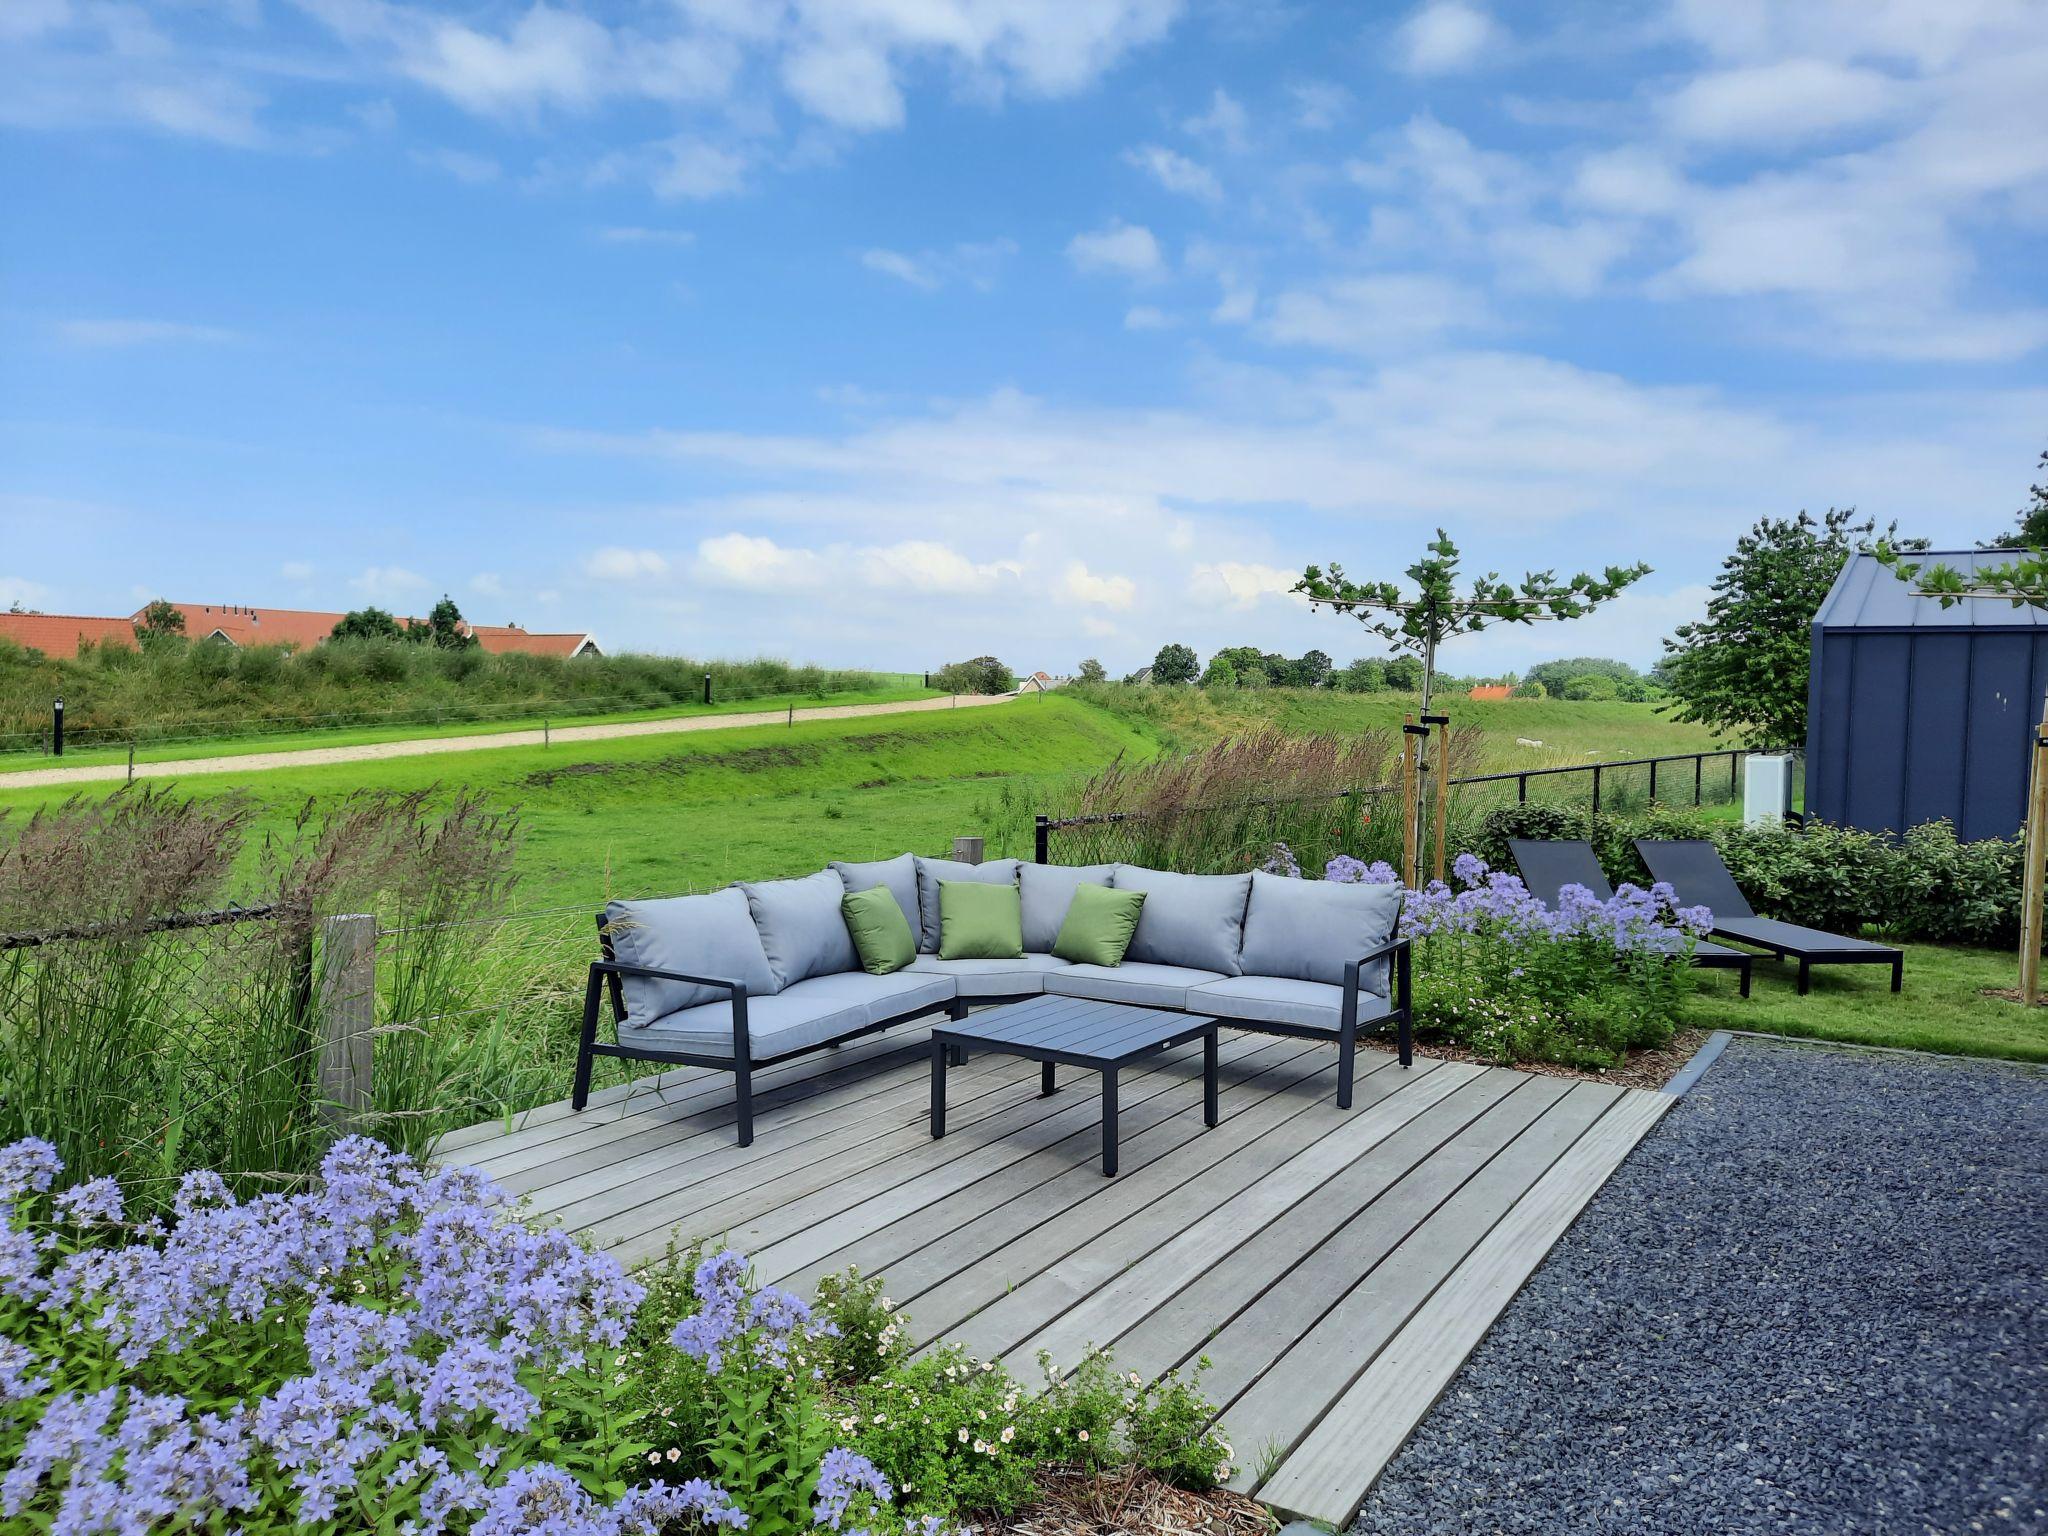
(1336, 1268)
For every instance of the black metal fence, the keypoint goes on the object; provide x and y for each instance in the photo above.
(1364, 821)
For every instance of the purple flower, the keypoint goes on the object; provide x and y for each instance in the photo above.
(94, 1203)
(27, 1167)
(841, 1475)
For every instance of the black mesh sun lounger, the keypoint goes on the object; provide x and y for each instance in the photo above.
(1549, 866)
(1693, 868)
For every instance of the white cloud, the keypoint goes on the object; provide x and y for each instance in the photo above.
(617, 563)
(390, 586)
(1081, 585)
(141, 333)
(1380, 313)
(749, 561)
(1176, 172)
(978, 264)
(1128, 249)
(1445, 36)
(851, 85)
(476, 170)
(905, 269)
(1144, 317)
(1240, 584)
(1772, 104)
(693, 168)
(1319, 104)
(924, 565)
(487, 584)
(1225, 122)
(19, 589)
(296, 570)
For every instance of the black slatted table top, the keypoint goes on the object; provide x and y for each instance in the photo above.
(1076, 1028)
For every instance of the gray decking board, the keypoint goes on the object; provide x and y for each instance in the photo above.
(1338, 1266)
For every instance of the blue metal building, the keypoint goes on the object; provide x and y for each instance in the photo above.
(1916, 711)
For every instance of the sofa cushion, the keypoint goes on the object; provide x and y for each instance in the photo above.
(979, 921)
(1152, 986)
(898, 874)
(881, 933)
(1310, 929)
(1192, 920)
(802, 928)
(1256, 1000)
(798, 1017)
(931, 871)
(1047, 891)
(1099, 925)
(1021, 977)
(710, 935)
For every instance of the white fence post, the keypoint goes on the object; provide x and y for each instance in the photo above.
(348, 1015)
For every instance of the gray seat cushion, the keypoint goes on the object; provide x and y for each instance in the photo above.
(1192, 920)
(1151, 986)
(1256, 1000)
(802, 928)
(710, 935)
(1310, 929)
(931, 871)
(1023, 976)
(798, 1017)
(899, 874)
(1047, 891)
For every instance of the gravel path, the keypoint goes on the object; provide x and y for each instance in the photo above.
(561, 735)
(1812, 1300)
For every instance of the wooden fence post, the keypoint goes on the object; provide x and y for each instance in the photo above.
(1410, 767)
(969, 850)
(348, 1014)
(2036, 874)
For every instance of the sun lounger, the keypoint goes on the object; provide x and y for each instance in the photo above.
(1693, 868)
(1548, 867)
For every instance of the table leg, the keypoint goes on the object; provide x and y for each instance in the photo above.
(1209, 1078)
(939, 1050)
(1045, 1082)
(1109, 1122)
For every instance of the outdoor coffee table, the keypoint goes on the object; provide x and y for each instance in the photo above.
(1075, 1032)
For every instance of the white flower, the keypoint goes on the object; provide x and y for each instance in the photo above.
(1009, 1433)
(1084, 1436)
(963, 1437)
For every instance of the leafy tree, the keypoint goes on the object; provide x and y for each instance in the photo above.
(2032, 532)
(159, 621)
(1744, 667)
(984, 674)
(1420, 622)
(1313, 670)
(1221, 674)
(367, 624)
(1404, 673)
(1531, 690)
(1175, 664)
(444, 629)
(1091, 671)
(1592, 685)
(1553, 675)
(1247, 661)
(1365, 675)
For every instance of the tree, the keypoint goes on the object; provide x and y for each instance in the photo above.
(1744, 667)
(1553, 675)
(366, 624)
(1221, 674)
(444, 629)
(1422, 621)
(1313, 670)
(159, 621)
(1175, 664)
(1404, 673)
(1365, 675)
(1091, 671)
(2032, 532)
(1531, 690)
(1593, 685)
(984, 674)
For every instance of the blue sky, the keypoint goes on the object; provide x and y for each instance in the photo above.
(889, 331)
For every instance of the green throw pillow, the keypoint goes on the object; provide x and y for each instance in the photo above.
(881, 933)
(979, 921)
(1099, 925)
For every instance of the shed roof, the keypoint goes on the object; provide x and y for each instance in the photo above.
(1867, 596)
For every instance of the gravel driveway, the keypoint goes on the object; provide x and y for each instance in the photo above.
(1811, 1300)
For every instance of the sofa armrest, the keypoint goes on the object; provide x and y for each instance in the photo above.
(1399, 951)
(608, 972)
(732, 989)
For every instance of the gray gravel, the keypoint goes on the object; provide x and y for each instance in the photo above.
(1811, 1300)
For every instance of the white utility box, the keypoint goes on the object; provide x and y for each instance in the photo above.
(1766, 789)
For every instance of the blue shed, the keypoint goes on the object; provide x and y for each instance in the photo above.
(1916, 711)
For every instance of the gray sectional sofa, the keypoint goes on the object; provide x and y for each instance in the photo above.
(765, 970)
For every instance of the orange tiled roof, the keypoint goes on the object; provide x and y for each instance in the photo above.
(1492, 691)
(255, 626)
(497, 638)
(61, 634)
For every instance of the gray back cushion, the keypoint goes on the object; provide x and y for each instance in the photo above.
(1048, 890)
(931, 871)
(1309, 929)
(1195, 920)
(899, 874)
(699, 935)
(802, 928)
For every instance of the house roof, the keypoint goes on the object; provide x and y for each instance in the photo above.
(255, 626)
(1492, 691)
(61, 634)
(1868, 596)
(496, 638)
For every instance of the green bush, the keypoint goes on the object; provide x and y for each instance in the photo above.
(984, 674)
(1591, 686)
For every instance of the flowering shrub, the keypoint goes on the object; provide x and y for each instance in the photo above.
(391, 1350)
(1515, 980)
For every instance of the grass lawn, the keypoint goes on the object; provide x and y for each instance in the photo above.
(1942, 1008)
(356, 735)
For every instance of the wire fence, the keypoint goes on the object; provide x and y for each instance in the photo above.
(44, 739)
(1365, 821)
